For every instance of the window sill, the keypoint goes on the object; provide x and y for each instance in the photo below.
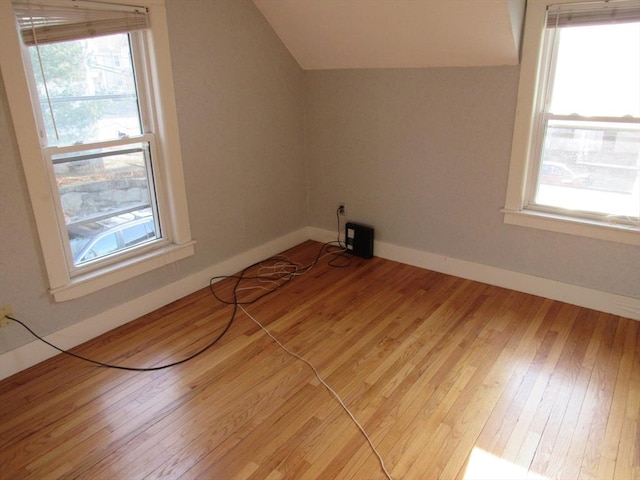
(573, 226)
(105, 277)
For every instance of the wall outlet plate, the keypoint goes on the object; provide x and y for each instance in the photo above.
(5, 310)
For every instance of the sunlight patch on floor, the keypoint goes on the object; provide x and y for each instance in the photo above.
(485, 466)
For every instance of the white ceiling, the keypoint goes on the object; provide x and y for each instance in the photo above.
(335, 34)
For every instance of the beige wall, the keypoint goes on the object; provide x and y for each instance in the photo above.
(239, 97)
(423, 156)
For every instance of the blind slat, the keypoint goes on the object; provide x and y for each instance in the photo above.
(596, 13)
(42, 24)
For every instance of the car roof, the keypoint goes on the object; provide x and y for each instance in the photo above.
(92, 228)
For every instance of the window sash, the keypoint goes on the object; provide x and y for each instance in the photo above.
(616, 124)
(56, 155)
(557, 17)
(40, 24)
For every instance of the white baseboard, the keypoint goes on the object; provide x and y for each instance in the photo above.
(35, 352)
(628, 307)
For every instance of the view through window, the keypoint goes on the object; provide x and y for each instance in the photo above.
(589, 132)
(91, 115)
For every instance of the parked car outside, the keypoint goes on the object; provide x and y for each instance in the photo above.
(556, 173)
(97, 239)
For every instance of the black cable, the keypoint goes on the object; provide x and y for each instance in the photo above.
(340, 244)
(121, 367)
(343, 247)
(287, 276)
(284, 276)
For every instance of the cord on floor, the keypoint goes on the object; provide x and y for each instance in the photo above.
(326, 385)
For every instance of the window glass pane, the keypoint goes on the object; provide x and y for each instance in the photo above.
(591, 167)
(101, 247)
(96, 239)
(597, 71)
(86, 89)
(105, 191)
(135, 234)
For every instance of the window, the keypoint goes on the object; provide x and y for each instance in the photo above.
(575, 164)
(91, 121)
(102, 137)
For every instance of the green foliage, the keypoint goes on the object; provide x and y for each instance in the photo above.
(66, 79)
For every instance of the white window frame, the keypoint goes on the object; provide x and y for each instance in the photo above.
(523, 156)
(167, 159)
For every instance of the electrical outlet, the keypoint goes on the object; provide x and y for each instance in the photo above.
(342, 210)
(5, 310)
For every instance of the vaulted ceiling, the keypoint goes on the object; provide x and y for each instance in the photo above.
(337, 34)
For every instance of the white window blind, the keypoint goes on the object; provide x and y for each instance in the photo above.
(40, 24)
(584, 14)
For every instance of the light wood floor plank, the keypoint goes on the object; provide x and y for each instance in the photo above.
(443, 373)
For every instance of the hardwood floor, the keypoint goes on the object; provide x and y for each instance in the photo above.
(451, 379)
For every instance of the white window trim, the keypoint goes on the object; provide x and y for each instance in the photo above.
(514, 210)
(62, 285)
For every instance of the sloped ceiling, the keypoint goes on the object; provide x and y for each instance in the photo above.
(337, 34)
